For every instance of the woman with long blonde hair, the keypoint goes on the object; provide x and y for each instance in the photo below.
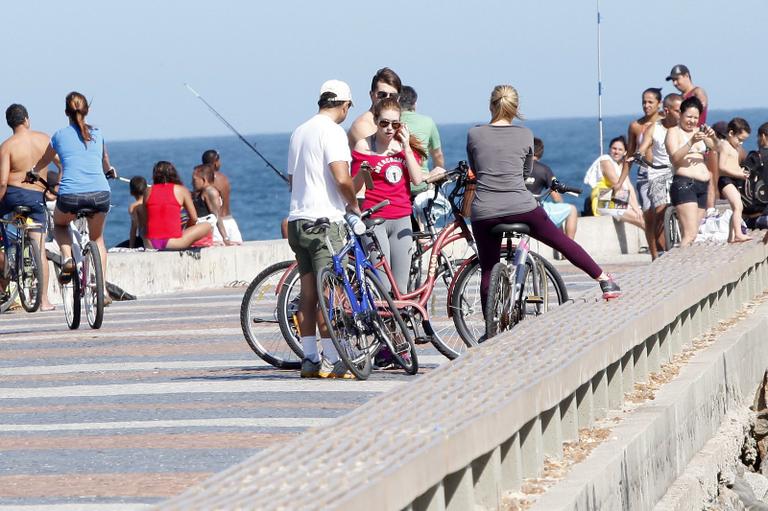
(500, 153)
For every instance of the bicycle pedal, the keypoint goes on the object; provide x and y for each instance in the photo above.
(402, 347)
(423, 339)
(535, 299)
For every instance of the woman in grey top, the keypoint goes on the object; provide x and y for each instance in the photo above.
(500, 152)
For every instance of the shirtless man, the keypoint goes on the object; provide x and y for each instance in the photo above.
(19, 154)
(385, 84)
(221, 183)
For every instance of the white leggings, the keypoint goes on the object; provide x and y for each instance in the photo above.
(396, 240)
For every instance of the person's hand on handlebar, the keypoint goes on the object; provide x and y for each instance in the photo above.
(354, 209)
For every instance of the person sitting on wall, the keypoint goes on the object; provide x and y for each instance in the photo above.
(161, 212)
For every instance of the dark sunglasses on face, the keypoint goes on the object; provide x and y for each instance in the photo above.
(395, 124)
(383, 95)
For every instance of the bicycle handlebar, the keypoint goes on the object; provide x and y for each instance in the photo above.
(461, 168)
(368, 212)
(557, 186)
(639, 158)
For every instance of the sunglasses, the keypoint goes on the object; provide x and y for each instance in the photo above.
(395, 124)
(383, 95)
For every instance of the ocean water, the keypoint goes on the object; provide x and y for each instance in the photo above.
(260, 198)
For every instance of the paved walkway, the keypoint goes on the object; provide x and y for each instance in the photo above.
(166, 394)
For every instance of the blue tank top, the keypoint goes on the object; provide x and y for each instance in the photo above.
(82, 172)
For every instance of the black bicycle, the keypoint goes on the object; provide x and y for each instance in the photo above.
(23, 264)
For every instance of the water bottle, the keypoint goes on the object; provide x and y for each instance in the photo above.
(357, 225)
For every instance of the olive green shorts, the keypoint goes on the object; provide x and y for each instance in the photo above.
(310, 249)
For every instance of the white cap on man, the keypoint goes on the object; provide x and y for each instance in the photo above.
(339, 88)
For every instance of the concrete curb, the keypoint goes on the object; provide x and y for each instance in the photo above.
(650, 448)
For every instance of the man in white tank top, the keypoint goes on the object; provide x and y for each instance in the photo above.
(653, 187)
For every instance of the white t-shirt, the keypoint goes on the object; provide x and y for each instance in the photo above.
(314, 146)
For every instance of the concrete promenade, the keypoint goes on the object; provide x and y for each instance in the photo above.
(166, 394)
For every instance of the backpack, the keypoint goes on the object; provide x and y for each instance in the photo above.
(755, 192)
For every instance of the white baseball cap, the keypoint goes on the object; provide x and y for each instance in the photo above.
(339, 88)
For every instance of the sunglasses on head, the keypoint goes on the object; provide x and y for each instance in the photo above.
(383, 95)
(395, 124)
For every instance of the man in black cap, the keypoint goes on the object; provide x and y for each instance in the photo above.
(681, 79)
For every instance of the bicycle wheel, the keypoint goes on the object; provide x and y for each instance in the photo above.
(93, 294)
(389, 327)
(501, 307)
(465, 298)
(261, 322)
(546, 294)
(8, 296)
(29, 274)
(70, 296)
(671, 228)
(288, 308)
(354, 346)
(444, 335)
(466, 306)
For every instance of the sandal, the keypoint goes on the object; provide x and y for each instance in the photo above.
(67, 270)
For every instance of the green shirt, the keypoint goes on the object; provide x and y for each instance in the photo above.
(425, 130)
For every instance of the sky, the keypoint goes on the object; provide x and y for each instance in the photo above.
(261, 64)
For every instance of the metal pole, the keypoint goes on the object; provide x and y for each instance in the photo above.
(599, 84)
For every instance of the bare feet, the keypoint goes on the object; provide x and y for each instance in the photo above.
(742, 239)
(46, 307)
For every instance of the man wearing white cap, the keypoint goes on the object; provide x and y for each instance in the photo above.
(318, 174)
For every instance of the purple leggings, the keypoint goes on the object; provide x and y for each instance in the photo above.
(542, 228)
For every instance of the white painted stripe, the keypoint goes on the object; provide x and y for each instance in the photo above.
(110, 321)
(200, 387)
(235, 422)
(79, 507)
(90, 335)
(174, 298)
(149, 366)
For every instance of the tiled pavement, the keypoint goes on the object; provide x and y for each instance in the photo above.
(165, 394)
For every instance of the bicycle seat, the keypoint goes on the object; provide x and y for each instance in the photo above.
(22, 210)
(86, 213)
(507, 230)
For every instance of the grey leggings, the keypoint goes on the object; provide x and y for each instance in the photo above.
(396, 238)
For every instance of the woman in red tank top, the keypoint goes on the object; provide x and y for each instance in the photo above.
(162, 211)
(394, 157)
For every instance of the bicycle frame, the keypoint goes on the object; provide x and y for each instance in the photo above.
(365, 304)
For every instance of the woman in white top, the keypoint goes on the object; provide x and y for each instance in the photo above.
(606, 172)
(686, 144)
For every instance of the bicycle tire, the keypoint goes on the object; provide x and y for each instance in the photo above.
(353, 346)
(439, 327)
(671, 228)
(499, 313)
(287, 309)
(9, 296)
(29, 278)
(70, 296)
(258, 316)
(391, 329)
(464, 301)
(93, 294)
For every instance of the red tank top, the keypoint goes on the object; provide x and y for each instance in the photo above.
(703, 116)
(391, 181)
(163, 213)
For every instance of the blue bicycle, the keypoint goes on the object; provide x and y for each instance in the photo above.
(362, 319)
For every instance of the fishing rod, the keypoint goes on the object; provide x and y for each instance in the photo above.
(599, 83)
(232, 128)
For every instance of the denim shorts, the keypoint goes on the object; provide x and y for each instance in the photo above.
(74, 202)
(34, 200)
(686, 189)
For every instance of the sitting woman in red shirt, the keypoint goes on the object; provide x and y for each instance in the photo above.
(161, 211)
(394, 158)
